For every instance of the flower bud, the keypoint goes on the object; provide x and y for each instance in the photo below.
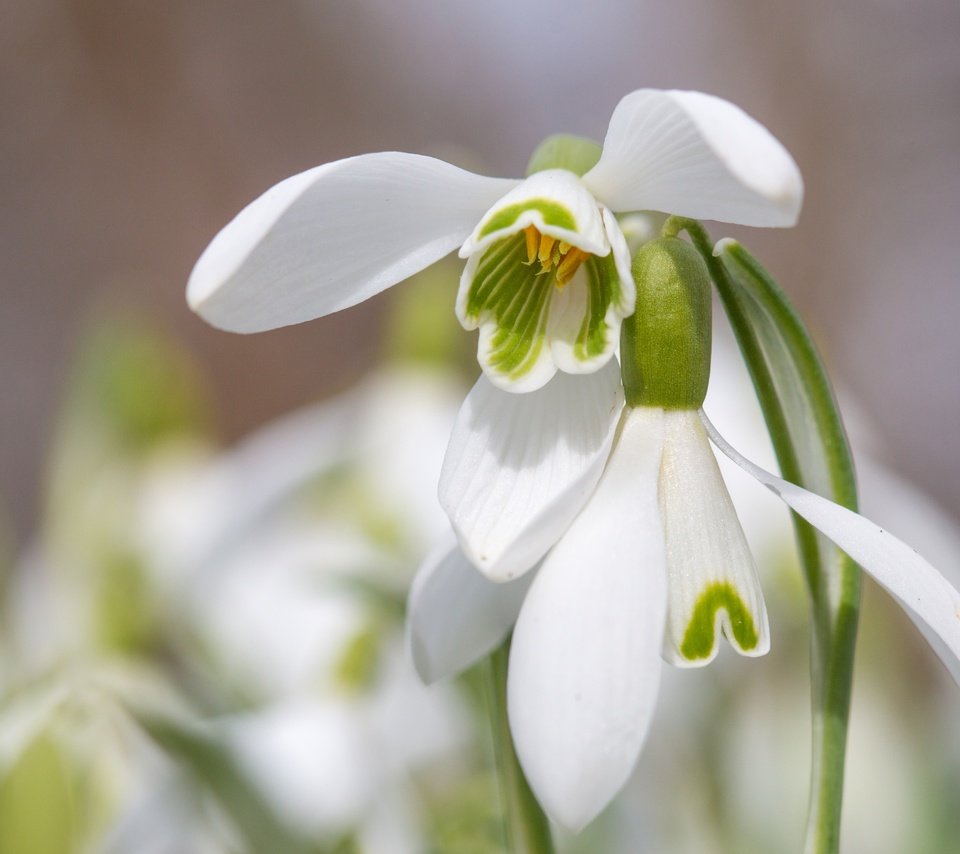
(665, 343)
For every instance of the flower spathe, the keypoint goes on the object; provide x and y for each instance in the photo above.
(547, 277)
(653, 567)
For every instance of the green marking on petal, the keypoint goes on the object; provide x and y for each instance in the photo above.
(603, 289)
(553, 214)
(699, 640)
(515, 295)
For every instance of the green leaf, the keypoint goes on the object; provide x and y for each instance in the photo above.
(812, 450)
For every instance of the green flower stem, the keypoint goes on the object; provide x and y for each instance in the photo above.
(833, 580)
(527, 828)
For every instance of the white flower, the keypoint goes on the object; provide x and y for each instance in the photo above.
(652, 563)
(547, 279)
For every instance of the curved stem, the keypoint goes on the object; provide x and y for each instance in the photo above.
(834, 585)
(527, 828)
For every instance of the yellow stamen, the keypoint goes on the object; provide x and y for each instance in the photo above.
(532, 237)
(546, 251)
(564, 247)
(568, 267)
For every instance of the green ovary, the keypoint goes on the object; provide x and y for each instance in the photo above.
(553, 214)
(699, 640)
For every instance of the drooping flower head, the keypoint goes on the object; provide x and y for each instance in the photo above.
(619, 546)
(592, 509)
(547, 279)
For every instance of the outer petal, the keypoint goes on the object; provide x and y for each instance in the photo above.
(713, 580)
(519, 467)
(927, 597)
(695, 155)
(455, 616)
(334, 236)
(585, 661)
(556, 202)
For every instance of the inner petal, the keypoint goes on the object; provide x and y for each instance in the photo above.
(713, 583)
(556, 203)
(542, 304)
(508, 297)
(584, 323)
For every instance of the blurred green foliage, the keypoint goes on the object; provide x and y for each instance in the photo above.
(38, 809)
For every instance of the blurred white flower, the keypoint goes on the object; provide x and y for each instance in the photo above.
(274, 574)
(279, 596)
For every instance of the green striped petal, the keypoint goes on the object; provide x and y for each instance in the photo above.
(585, 317)
(712, 580)
(530, 326)
(509, 300)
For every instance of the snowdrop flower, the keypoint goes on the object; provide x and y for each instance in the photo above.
(650, 563)
(547, 279)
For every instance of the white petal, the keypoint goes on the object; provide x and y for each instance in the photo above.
(512, 346)
(928, 598)
(583, 330)
(536, 371)
(586, 313)
(556, 202)
(519, 467)
(713, 580)
(695, 155)
(569, 313)
(622, 258)
(585, 660)
(334, 236)
(455, 616)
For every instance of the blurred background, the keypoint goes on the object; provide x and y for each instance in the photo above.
(133, 131)
(203, 593)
